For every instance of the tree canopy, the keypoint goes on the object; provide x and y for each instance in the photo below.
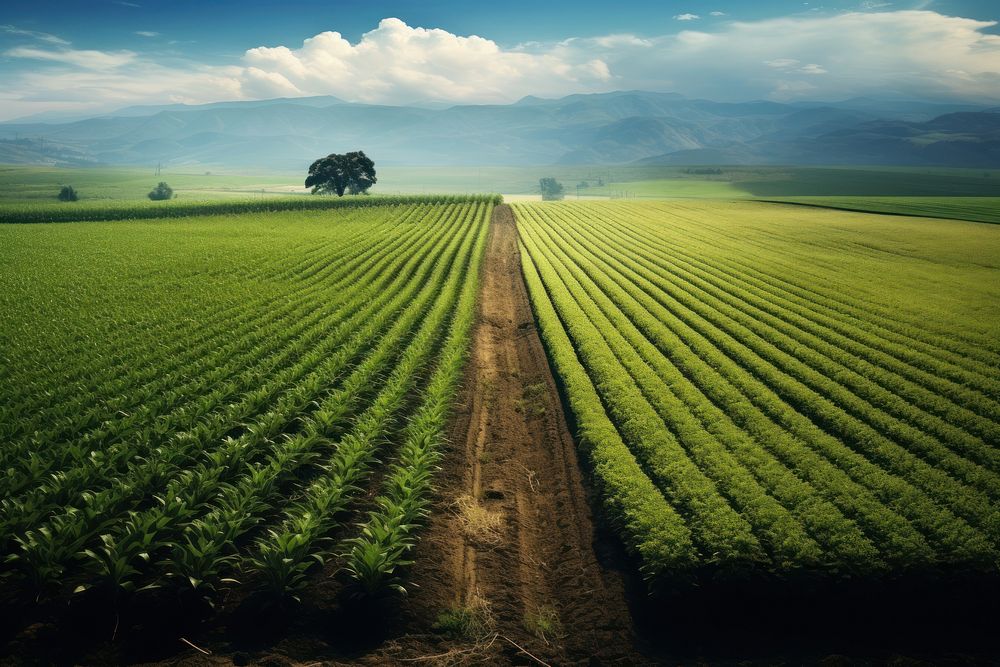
(161, 192)
(350, 172)
(550, 188)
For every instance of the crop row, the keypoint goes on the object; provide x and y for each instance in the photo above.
(774, 441)
(272, 418)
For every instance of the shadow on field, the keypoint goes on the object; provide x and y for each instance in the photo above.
(923, 617)
(156, 628)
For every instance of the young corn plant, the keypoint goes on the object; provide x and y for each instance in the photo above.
(375, 556)
(197, 565)
(113, 567)
(283, 559)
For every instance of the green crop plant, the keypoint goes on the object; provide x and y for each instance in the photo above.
(738, 353)
(220, 439)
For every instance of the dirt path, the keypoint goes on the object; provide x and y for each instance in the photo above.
(514, 533)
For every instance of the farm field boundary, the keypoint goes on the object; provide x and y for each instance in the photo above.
(973, 209)
(145, 210)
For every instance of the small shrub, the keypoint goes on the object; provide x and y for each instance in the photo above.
(67, 193)
(161, 192)
(479, 524)
(544, 623)
(473, 622)
(530, 403)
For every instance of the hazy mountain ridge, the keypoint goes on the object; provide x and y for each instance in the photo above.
(611, 128)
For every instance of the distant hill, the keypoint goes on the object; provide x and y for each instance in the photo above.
(612, 128)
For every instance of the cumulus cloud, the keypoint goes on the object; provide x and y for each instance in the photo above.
(147, 33)
(396, 62)
(686, 17)
(912, 53)
(906, 53)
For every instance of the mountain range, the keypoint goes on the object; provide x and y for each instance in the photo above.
(610, 128)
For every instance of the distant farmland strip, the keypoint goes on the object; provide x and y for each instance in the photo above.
(97, 210)
(759, 383)
(976, 209)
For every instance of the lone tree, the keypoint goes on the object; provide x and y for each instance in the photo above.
(161, 192)
(351, 172)
(67, 193)
(551, 188)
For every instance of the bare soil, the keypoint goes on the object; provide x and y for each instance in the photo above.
(513, 454)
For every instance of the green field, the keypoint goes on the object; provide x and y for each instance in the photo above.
(625, 181)
(23, 184)
(20, 184)
(758, 386)
(42, 211)
(778, 388)
(977, 209)
(184, 399)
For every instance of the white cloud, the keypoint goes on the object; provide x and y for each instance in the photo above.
(904, 53)
(147, 33)
(398, 63)
(33, 34)
(612, 41)
(85, 58)
(716, 13)
(781, 63)
(812, 68)
(687, 17)
(911, 53)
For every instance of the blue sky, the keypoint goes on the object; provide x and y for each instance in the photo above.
(220, 28)
(101, 54)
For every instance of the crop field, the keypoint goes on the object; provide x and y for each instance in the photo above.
(776, 388)
(22, 184)
(190, 401)
(978, 209)
(330, 428)
(96, 210)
